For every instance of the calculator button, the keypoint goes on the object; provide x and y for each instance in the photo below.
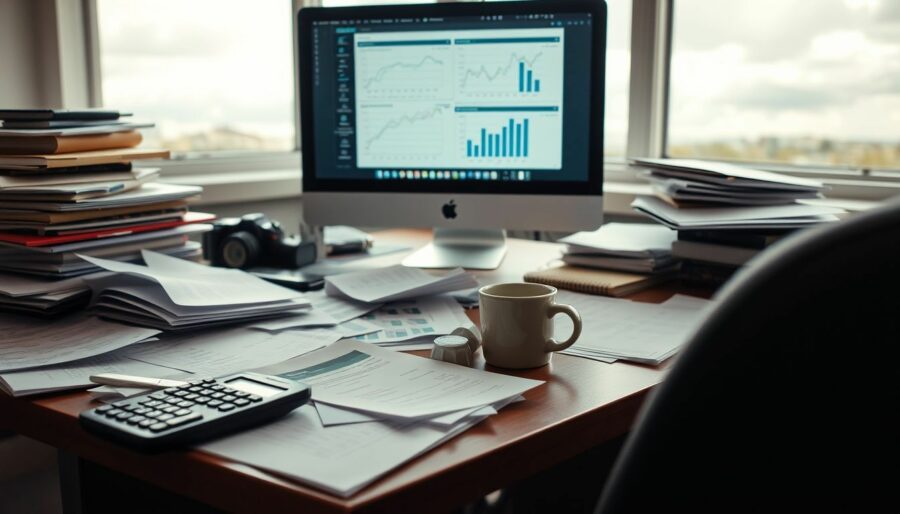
(182, 412)
(185, 404)
(134, 420)
(192, 396)
(158, 396)
(209, 381)
(254, 398)
(228, 390)
(172, 400)
(217, 395)
(151, 403)
(229, 398)
(171, 390)
(201, 400)
(170, 409)
(105, 408)
(113, 413)
(184, 419)
(153, 413)
(217, 387)
(242, 394)
(164, 417)
(141, 410)
(146, 423)
(240, 402)
(180, 393)
(123, 403)
(225, 407)
(214, 403)
(158, 427)
(207, 392)
(195, 389)
(122, 416)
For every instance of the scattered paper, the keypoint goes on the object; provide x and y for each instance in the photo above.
(29, 344)
(214, 353)
(338, 459)
(622, 329)
(326, 311)
(363, 377)
(395, 283)
(76, 375)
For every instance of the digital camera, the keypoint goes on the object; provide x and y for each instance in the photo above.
(254, 240)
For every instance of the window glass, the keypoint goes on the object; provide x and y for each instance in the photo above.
(214, 75)
(805, 82)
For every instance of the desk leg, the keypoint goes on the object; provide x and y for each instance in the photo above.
(70, 482)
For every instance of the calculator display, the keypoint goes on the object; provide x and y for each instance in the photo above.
(253, 387)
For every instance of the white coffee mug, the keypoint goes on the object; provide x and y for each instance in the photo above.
(517, 324)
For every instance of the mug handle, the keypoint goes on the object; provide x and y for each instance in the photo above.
(560, 308)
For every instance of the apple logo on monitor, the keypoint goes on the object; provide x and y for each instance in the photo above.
(449, 210)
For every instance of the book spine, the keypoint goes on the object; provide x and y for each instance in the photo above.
(729, 238)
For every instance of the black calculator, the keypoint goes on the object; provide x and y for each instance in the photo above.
(199, 410)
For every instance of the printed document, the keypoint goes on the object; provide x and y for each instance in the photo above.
(395, 283)
(413, 319)
(29, 344)
(363, 377)
(339, 459)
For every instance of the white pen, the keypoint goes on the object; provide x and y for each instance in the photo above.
(114, 379)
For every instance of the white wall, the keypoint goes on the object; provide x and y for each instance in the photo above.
(20, 64)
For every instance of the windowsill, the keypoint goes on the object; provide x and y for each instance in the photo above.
(256, 186)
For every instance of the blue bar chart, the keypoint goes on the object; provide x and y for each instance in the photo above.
(527, 82)
(510, 140)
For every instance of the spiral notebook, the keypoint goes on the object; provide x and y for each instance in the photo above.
(594, 281)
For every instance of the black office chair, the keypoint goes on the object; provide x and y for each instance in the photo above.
(787, 398)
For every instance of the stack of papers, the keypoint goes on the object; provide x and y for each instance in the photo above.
(67, 185)
(395, 283)
(42, 297)
(382, 409)
(616, 329)
(634, 247)
(693, 181)
(173, 294)
(777, 217)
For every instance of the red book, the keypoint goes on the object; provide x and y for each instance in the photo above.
(36, 240)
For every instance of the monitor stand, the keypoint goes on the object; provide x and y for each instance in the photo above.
(453, 248)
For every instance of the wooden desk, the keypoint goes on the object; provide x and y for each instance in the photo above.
(582, 405)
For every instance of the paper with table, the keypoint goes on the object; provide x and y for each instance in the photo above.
(395, 283)
(414, 323)
(418, 404)
(326, 311)
(615, 329)
(362, 377)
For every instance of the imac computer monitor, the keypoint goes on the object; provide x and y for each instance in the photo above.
(469, 118)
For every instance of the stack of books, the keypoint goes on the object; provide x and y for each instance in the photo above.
(68, 187)
(630, 247)
(726, 214)
(616, 260)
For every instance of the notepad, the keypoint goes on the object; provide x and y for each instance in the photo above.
(593, 281)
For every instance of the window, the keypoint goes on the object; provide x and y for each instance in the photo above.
(214, 75)
(802, 82)
(618, 65)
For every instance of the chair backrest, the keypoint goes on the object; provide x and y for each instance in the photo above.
(787, 397)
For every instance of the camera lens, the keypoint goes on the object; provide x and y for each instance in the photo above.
(240, 250)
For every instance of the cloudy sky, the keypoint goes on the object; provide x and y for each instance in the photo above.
(821, 68)
(741, 68)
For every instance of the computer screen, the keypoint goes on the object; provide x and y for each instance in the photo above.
(494, 100)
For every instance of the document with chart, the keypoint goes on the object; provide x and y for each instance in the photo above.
(459, 99)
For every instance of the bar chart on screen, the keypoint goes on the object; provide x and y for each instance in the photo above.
(510, 136)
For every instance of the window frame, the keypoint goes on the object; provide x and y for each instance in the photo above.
(77, 79)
